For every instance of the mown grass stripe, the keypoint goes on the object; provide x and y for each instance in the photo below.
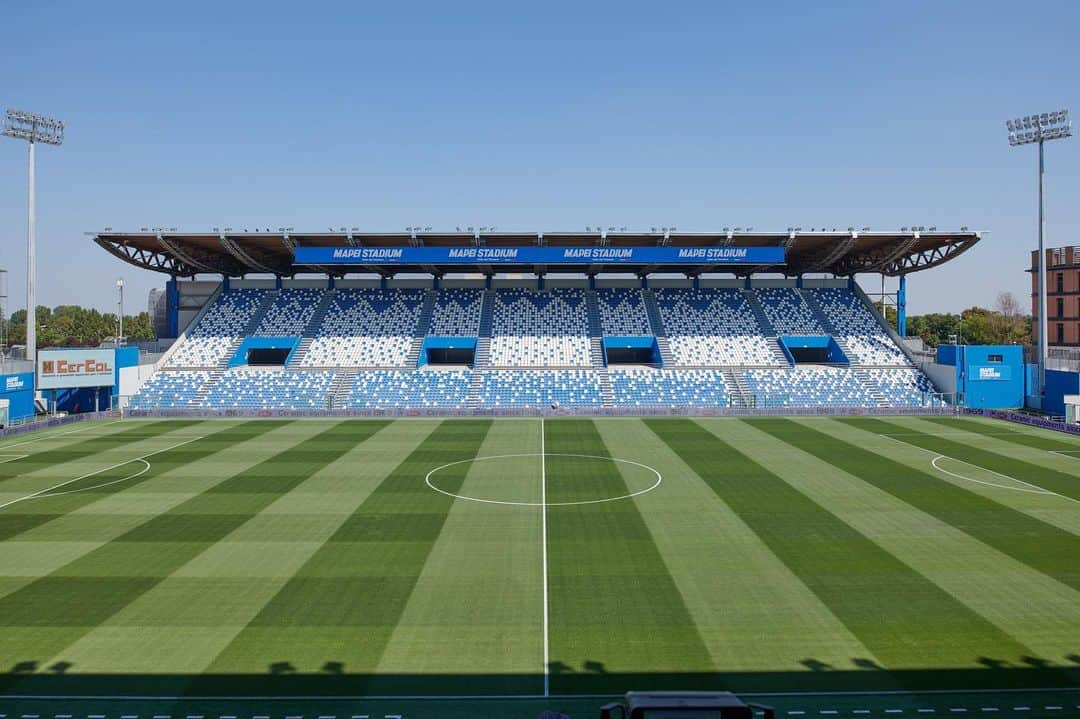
(597, 623)
(1001, 431)
(85, 593)
(1043, 477)
(1042, 546)
(24, 516)
(44, 457)
(341, 607)
(896, 612)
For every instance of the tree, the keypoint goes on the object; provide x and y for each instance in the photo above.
(1005, 324)
(75, 326)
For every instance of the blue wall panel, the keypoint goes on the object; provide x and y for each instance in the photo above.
(1059, 384)
(18, 389)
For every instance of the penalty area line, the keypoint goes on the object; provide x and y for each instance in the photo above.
(141, 458)
(1032, 488)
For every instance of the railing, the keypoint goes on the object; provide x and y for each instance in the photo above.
(54, 421)
(656, 411)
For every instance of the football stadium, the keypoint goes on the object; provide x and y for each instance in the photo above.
(492, 491)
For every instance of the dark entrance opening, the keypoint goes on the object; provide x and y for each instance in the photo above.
(450, 355)
(630, 355)
(809, 355)
(267, 357)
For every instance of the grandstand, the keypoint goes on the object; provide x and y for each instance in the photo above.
(359, 348)
(587, 342)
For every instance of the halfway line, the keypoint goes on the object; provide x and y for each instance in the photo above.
(543, 542)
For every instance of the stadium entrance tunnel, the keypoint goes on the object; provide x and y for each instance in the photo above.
(813, 350)
(631, 350)
(264, 352)
(532, 479)
(447, 351)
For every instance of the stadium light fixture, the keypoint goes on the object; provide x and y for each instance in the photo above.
(33, 128)
(120, 288)
(1029, 131)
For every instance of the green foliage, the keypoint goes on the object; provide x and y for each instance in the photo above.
(75, 326)
(1002, 325)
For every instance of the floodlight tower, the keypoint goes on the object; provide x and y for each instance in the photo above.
(34, 129)
(1026, 131)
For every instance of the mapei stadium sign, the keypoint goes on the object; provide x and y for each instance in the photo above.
(59, 369)
(539, 256)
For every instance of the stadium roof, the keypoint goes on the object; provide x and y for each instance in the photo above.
(234, 254)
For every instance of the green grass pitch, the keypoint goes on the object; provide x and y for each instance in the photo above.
(372, 567)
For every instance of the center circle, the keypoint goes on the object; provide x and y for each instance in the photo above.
(654, 478)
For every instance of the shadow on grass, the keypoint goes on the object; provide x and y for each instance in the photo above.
(282, 679)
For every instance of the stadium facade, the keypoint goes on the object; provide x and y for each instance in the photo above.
(501, 322)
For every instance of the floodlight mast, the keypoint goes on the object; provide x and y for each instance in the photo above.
(1026, 131)
(33, 128)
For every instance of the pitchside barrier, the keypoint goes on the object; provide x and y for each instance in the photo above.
(1054, 423)
(55, 421)
(201, 413)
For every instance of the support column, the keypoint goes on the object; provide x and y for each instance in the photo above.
(901, 307)
(592, 282)
(799, 281)
(746, 283)
(277, 282)
(539, 282)
(224, 283)
(696, 282)
(644, 282)
(488, 279)
(331, 282)
(382, 282)
(172, 308)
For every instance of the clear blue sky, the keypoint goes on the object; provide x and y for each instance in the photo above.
(538, 116)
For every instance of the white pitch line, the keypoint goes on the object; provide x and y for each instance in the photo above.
(99, 471)
(59, 434)
(544, 555)
(1034, 488)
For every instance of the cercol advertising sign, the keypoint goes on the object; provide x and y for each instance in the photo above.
(59, 369)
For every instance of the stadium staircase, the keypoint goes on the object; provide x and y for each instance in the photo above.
(759, 313)
(301, 350)
(607, 393)
(312, 329)
(596, 332)
(340, 389)
(482, 355)
(423, 324)
(741, 396)
(766, 327)
(204, 391)
(260, 312)
(819, 312)
(871, 387)
(472, 400)
(777, 352)
(656, 322)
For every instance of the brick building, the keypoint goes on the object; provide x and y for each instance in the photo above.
(1062, 296)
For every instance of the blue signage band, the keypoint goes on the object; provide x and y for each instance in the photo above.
(539, 256)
